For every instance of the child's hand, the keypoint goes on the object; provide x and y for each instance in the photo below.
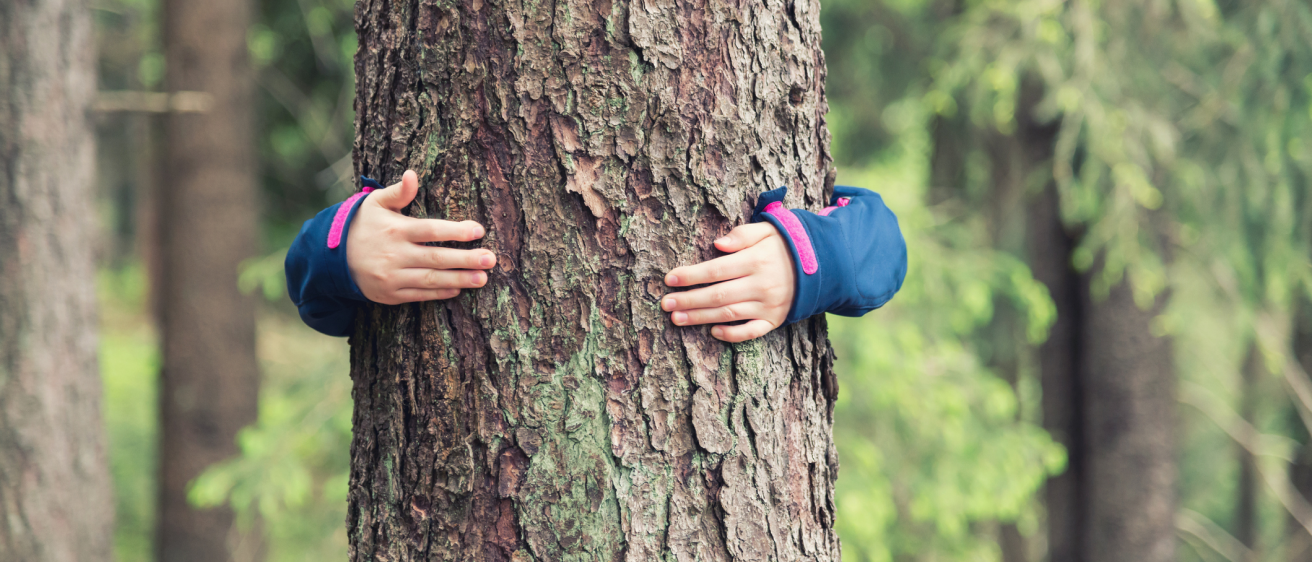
(387, 258)
(754, 283)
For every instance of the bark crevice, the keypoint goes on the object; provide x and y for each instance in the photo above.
(601, 144)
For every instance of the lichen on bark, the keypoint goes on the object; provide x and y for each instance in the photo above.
(556, 414)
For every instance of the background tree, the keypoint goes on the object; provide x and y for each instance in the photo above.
(55, 496)
(210, 377)
(1152, 179)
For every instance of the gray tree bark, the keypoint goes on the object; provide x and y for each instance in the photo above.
(55, 493)
(208, 213)
(1108, 397)
(1129, 392)
(556, 414)
(1065, 495)
(1298, 542)
(1246, 527)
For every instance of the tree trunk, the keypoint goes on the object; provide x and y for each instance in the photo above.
(55, 498)
(1048, 246)
(1065, 495)
(556, 414)
(207, 208)
(1298, 542)
(1013, 159)
(1129, 408)
(1246, 523)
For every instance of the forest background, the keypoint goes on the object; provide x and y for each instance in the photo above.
(1182, 148)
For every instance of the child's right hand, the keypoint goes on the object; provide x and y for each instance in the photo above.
(390, 263)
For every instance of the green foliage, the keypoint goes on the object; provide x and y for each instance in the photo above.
(303, 51)
(1184, 155)
(294, 463)
(292, 472)
(1182, 124)
(129, 366)
(264, 273)
(932, 442)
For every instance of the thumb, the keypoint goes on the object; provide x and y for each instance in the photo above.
(744, 236)
(398, 195)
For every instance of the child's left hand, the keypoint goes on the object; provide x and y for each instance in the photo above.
(755, 282)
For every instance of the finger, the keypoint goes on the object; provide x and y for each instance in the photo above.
(719, 269)
(398, 195)
(744, 236)
(723, 314)
(420, 295)
(438, 230)
(719, 294)
(742, 332)
(449, 258)
(440, 279)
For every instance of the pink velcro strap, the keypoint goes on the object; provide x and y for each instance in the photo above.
(842, 202)
(797, 232)
(339, 219)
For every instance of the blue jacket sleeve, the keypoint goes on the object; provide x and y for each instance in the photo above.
(318, 279)
(850, 258)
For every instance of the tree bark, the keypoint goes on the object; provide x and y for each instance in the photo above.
(1012, 162)
(1298, 542)
(1065, 495)
(207, 208)
(1059, 357)
(1129, 431)
(556, 414)
(1246, 522)
(55, 499)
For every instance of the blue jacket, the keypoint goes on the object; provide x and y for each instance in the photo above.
(850, 257)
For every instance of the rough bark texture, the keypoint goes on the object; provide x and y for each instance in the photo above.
(556, 414)
(207, 206)
(55, 502)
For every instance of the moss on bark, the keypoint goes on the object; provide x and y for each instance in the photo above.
(556, 414)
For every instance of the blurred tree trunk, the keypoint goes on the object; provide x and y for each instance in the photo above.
(1059, 357)
(1129, 407)
(55, 496)
(1246, 500)
(1298, 545)
(1108, 397)
(208, 214)
(556, 414)
(1050, 246)
(953, 138)
(1027, 159)
(1013, 160)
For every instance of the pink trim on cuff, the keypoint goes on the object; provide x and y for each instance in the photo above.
(842, 202)
(339, 219)
(797, 232)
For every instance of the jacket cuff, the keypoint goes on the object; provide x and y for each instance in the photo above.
(849, 258)
(806, 264)
(316, 263)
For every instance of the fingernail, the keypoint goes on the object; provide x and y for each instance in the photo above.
(480, 278)
(718, 332)
(667, 304)
(477, 231)
(487, 260)
(671, 279)
(680, 318)
(723, 240)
